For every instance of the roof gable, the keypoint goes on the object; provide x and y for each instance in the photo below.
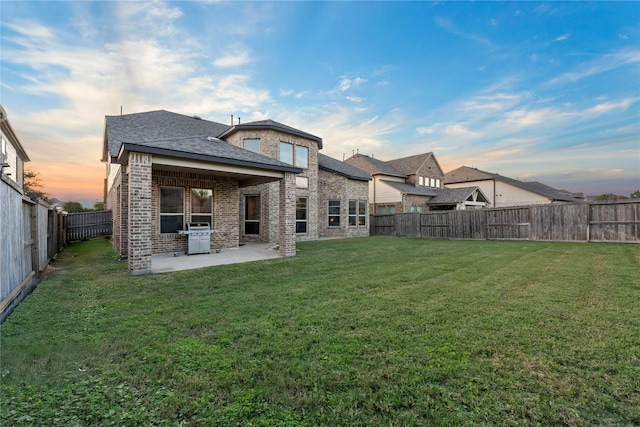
(271, 125)
(411, 164)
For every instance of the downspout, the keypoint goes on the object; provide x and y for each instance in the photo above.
(494, 192)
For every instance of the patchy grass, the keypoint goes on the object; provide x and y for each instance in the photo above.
(375, 331)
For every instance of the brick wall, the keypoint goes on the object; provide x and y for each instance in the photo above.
(269, 193)
(337, 187)
(225, 209)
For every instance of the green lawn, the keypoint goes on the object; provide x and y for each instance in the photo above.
(374, 331)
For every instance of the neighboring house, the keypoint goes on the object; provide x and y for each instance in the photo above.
(12, 155)
(253, 182)
(504, 191)
(413, 184)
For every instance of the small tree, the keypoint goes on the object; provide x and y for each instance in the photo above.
(73, 207)
(33, 186)
(98, 206)
(635, 194)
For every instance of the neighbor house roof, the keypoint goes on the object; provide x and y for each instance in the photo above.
(438, 195)
(467, 174)
(270, 125)
(207, 149)
(341, 168)
(410, 165)
(154, 125)
(413, 189)
(374, 166)
(455, 195)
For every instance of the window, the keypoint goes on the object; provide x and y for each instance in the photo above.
(252, 215)
(302, 182)
(334, 213)
(3, 153)
(382, 210)
(286, 152)
(432, 182)
(357, 213)
(171, 209)
(437, 183)
(301, 215)
(302, 157)
(202, 205)
(421, 180)
(252, 145)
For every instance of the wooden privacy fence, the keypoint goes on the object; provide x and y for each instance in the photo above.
(576, 222)
(31, 234)
(85, 225)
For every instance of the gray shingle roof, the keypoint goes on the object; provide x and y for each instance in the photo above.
(413, 189)
(410, 165)
(207, 149)
(438, 195)
(341, 168)
(155, 125)
(467, 174)
(273, 125)
(374, 166)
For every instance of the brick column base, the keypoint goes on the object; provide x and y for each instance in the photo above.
(287, 217)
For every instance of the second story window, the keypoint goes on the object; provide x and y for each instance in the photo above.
(294, 155)
(252, 144)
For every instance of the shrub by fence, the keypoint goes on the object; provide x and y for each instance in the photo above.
(578, 222)
(86, 225)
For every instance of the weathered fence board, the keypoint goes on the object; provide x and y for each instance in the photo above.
(434, 225)
(86, 225)
(577, 222)
(614, 222)
(509, 223)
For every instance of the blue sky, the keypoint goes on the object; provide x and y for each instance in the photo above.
(538, 91)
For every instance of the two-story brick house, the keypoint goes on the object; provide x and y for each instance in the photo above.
(413, 184)
(12, 155)
(254, 182)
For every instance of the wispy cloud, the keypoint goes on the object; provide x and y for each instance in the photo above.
(238, 56)
(602, 64)
(449, 26)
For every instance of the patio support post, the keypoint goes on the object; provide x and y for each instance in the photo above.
(139, 227)
(287, 220)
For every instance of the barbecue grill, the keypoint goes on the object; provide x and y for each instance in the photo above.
(199, 240)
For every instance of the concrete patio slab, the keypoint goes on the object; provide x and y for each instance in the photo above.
(163, 263)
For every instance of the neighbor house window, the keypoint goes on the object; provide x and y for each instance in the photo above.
(302, 182)
(202, 205)
(357, 213)
(432, 182)
(252, 145)
(421, 180)
(286, 152)
(3, 153)
(252, 215)
(437, 183)
(334, 213)
(171, 209)
(301, 215)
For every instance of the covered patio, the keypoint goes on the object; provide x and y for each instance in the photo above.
(163, 263)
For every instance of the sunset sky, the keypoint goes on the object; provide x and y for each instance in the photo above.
(537, 91)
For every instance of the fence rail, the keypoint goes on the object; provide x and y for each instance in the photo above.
(575, 222)
(86, 225)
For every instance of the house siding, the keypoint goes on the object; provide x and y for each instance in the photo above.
(502, 195)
